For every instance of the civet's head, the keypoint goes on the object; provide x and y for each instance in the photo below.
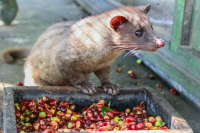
(132, 29)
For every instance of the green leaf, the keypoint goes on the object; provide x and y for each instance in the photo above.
(163, 124)
(105, 109)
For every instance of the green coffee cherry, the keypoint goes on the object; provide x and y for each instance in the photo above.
(158, 118)
(82, 130)
(139, 61)
(116, 117)
(158, 124)
(16, 104)
(22, 118)
(120, 122)
(28, 113)
(42, 114)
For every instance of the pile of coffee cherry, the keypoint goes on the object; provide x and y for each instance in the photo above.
(48, 115)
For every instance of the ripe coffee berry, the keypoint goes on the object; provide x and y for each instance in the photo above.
(48, 115)
(173, 91)
(20, 84)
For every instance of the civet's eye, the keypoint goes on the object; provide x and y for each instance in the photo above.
(139, 33)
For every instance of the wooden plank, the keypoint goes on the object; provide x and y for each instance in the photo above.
(177, 26)
(195, 28)
(187, 19)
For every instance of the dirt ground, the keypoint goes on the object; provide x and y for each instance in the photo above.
(35, 16)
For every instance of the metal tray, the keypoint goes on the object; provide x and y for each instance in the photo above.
(128, 98)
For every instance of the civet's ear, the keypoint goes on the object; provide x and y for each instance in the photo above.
(118, 21)
(144, 9)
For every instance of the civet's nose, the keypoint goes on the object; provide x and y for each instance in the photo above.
(160, 43)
